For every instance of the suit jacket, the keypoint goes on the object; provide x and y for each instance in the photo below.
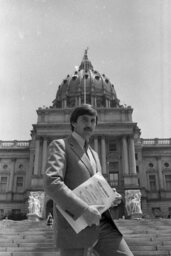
(67, 167)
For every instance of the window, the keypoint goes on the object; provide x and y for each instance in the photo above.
(86, 76)
(71, 102)
(3, 183)
(166, 165)
(150, 165)
(74, 77)
(19, 183)
(137, 168)
(114, 179)
(5, 166)
(16, 211)
(88, 99)
(99, 101)
(1, 213)
(20, 166)
(169, 213)
(168, 181)
(152, 182)
(114, 174)
(112, 146)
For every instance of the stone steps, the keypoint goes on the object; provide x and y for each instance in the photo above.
(29, 254)
(25, 238)
(151, 253)
(147, 237)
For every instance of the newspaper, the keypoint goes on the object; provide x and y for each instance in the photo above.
(94, 191)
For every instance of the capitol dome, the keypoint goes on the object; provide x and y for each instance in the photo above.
(86, 85)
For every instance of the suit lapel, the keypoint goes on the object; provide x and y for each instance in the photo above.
(81, 154)
(96, 159)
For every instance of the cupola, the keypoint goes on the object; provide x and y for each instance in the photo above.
(86, 85)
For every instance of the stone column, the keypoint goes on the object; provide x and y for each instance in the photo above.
(31, 169)
(125, 156)
(95, 102)
(96, 144)
(79, 100)
(103, 154)
(44, 155)
(11, 177)
(107, 103)
(64, 103)
(36, 160)
(132, 161)
(160, 176)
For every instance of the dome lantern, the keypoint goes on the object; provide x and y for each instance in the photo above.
(85, 64)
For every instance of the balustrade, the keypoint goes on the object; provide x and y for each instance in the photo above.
(10, 144)
(156, 141)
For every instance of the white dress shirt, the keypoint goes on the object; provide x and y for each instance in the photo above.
(81, 142)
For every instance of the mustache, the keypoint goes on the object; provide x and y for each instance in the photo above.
(88, 129)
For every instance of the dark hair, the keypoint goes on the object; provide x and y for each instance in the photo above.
(85, 109)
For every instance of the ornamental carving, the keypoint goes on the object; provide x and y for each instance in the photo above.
(133, 202)
(36, 203)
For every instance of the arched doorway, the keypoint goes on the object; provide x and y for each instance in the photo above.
(49, 207)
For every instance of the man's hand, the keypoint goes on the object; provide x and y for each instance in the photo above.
(92, 215)
(118, 198)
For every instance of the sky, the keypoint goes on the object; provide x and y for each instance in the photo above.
(41, 42)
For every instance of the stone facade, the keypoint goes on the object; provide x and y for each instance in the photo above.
(128, 161)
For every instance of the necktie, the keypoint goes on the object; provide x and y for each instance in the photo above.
(86, 148)
(90, 156)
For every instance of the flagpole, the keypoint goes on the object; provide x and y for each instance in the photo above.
(84, 84)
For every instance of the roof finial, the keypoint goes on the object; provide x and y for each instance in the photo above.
(85, 54)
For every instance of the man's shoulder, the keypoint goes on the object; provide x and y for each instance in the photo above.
(60, 142)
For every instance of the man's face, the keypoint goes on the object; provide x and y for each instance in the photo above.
(85, 126)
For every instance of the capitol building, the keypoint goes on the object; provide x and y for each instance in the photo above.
(128, 161)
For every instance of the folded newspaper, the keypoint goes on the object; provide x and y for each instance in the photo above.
(94, 191)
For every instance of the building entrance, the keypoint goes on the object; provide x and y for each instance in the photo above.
(49, 207)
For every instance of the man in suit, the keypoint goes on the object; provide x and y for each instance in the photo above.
(71, 162)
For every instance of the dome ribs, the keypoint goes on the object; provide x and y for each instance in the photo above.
(86, 85)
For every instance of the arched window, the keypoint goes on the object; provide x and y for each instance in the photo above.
(166, 164)
(151, 165)
(5, 166)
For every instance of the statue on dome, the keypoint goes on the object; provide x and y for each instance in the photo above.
(86, 50)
